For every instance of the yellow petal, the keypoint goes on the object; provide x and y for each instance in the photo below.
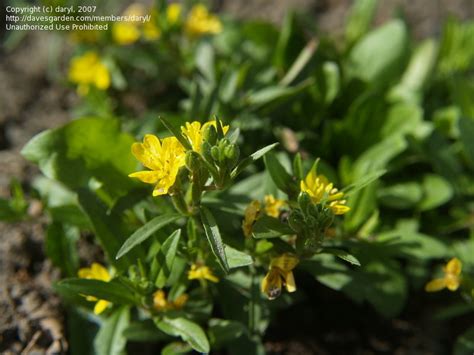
(290, 284)
(101, 306)
(99, 272)
(102, 77)
(149, 177)
(180, 301)
(285, 262)
(452, 283)
(144, 156)
(173, 13)
(454, 267)
(435, 285)
(340, 209)
(271, 284)
(159, 300)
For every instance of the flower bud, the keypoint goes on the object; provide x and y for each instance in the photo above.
(206, 151)
(215, 153)
(210, 134)
(192, 161)
(296, 221)
(304, 200)
(232, 153)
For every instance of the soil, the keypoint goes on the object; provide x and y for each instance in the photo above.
(31, 317)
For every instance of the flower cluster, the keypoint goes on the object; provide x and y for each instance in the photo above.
(201, 22)
(320, 189)
(89, 70)
(201, 272)
(451, 279)
(165, 157)
(126, 33)
(198, 22)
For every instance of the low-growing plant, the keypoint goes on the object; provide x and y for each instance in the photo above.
(207, 240)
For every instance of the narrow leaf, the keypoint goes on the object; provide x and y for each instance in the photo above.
(112, 291)
(250, 159)
(176, 132)
(363, 182)
(342, 254)
(279, 175)
(110, 339)
(145, 232)
(269, 227)
(300, 63)
(166, 257)
(214, 238)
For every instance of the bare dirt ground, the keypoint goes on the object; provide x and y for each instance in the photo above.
(31, 318)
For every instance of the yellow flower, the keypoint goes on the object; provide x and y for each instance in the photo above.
(96, 272)
(125, 32)
(201, 22)
(194, 133)
(173, 13)
(88, 70)
(251, 215)
(451, 279)
(161, 303)
(279, 275)
(164, 159)
(319, 188)
(201, 272)
(151, 31)
(128, 32)
(273, 206)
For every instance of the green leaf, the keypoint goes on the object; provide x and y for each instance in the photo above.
(236, 258)
(166, 257)
(110, 339)
(176, 348)
(402, 119)
(401, 196)
(360, 19)
(418, 72)
(61, 248)
(176, 132)
(250, 159)
(363, 182)
(270, 227)
(187, 330)
(276, 94)
(466, 131)
(280, 176)
(108, 227)
(379, 55)
(300, 63)
(342, 254)
(80, 331)
(144, 331)
(222, 331)
(413, 244)
(465, 343)
(214, 238)
(144, 232)
(436, 192)
(85, 148)
(205, 61)
(112, 291)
